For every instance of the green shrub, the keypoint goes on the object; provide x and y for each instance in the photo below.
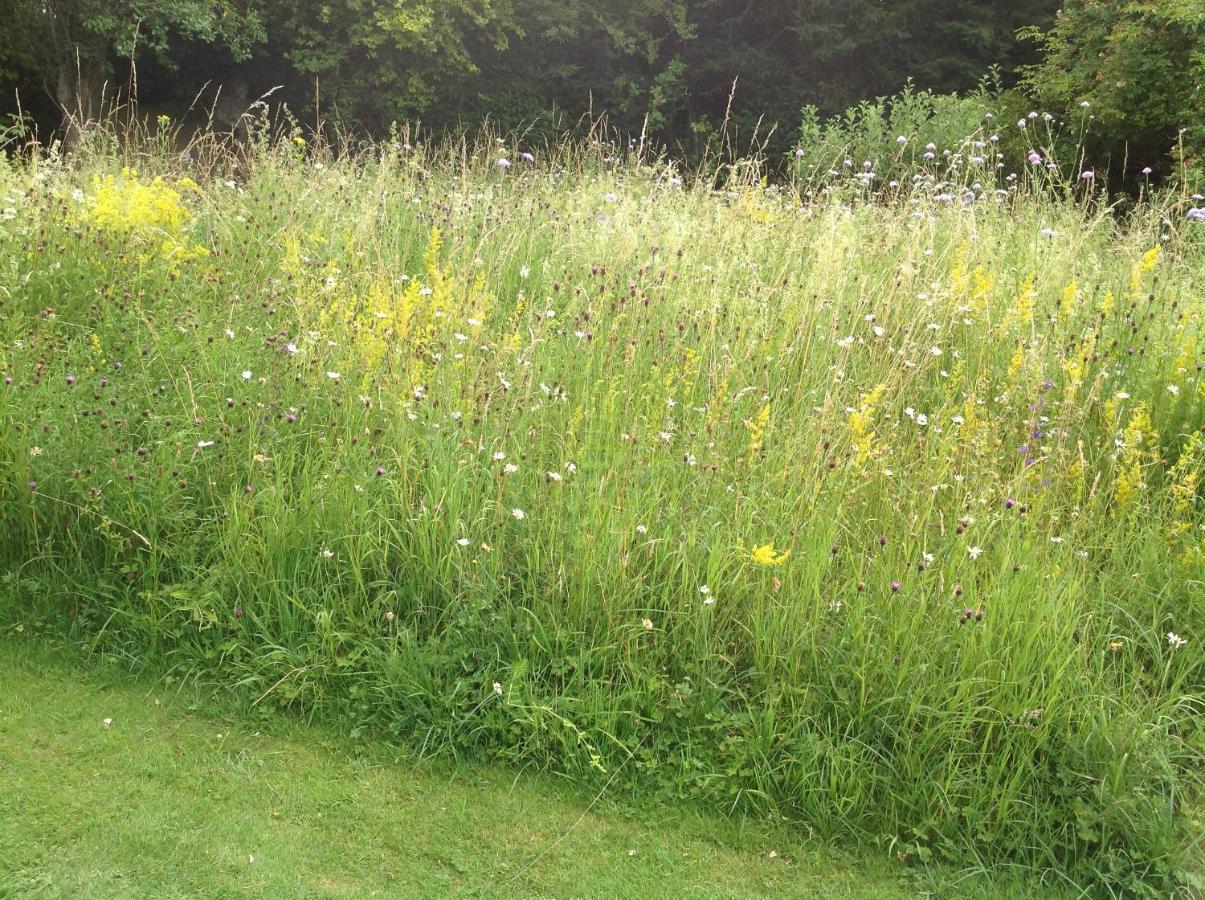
(1137, 67)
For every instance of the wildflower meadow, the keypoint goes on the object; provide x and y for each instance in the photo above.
(867, 499)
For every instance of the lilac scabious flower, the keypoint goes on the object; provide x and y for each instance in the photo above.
(1198, 213)
(1034, 157)
(503, 163)
(1087, 175)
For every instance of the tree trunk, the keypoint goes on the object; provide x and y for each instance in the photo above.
(78, 95)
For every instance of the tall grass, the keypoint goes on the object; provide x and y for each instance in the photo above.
(487, 458)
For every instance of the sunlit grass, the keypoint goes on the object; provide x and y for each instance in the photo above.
(881, 512)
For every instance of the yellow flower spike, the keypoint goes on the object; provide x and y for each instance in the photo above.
(757, 430)
(766, 555)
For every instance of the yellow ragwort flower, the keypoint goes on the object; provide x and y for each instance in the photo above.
(765, 555)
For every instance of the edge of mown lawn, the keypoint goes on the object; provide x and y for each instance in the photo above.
(179, 796)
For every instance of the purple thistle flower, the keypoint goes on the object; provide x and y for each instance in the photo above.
(895, 586)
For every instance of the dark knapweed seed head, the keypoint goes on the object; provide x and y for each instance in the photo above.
(861, 585)
(238, 613)
(958, 590)
(882, 540)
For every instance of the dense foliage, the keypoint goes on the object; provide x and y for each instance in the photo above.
(669, 64)
(66, 48)
(1140, 65)
(680, 71)
(879, 509)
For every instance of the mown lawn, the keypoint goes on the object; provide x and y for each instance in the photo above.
(167, 801)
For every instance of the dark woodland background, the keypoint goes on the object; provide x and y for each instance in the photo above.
(664, 68)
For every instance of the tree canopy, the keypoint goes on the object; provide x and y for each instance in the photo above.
(1140, 67)
(676, 68)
